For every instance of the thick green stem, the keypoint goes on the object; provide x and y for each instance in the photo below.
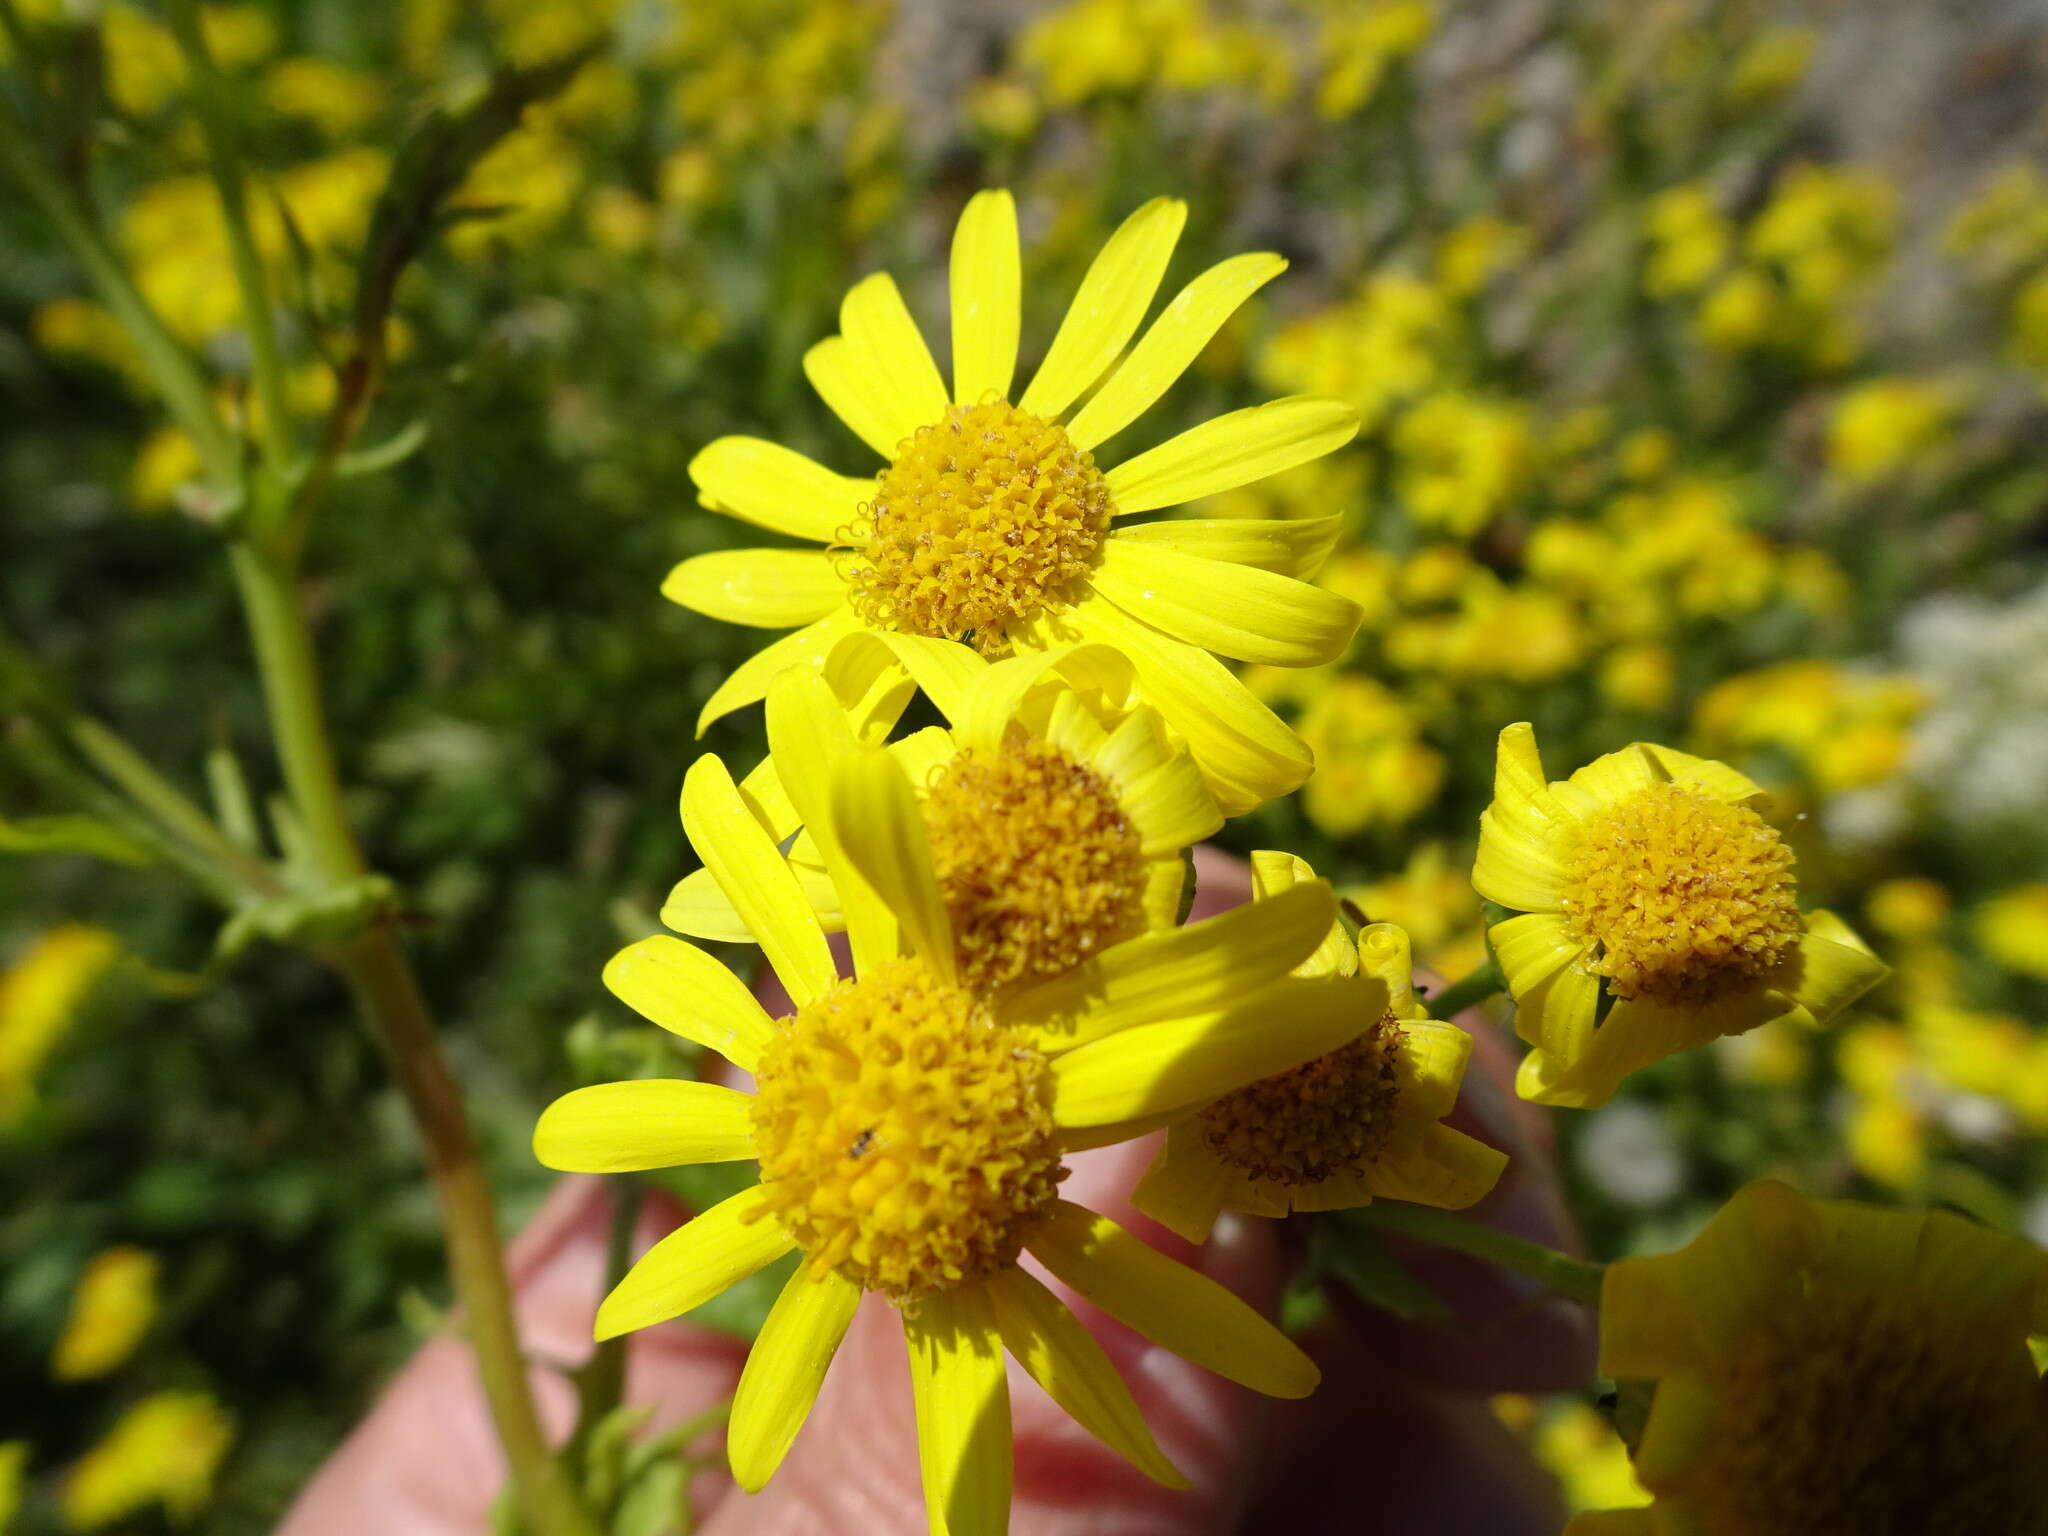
(390, 1000)
(223, 159)
(1462, 994)
(177, 377)
(1578, 1279)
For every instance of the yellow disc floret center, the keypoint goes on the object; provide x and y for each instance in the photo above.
(1680, 895)
(904, 1139)
(1862, 1415)
(1039, 866)
(1327, 1116)
(986, 518)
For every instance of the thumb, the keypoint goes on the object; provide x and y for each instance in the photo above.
(854, 1467)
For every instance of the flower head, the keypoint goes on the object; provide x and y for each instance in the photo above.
(1056, 808)
(991, 523)
(911, 1126)
(111, 1310)
(1359, 1121)
(1826, 1368)
(1658, 912)
(164, 1450)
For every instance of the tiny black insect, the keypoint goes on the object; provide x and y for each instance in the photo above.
(861, 1143)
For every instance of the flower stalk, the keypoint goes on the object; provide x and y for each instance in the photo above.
(1577, 1279)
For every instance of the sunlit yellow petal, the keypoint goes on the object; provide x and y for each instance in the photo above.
(767, 588)
(945, 669)
(1829, 969)
(986, 288)
(808, 734)
(882, 833)
(686, 992)
(697, 907)
(1174, 1306)
(1232, 450)
(998, 692)
(694, 1263)
(1247, 753)
(1434, 1056)
(1172, 342)
(1273, 873)
(900, 372)
(1436, 1166)
(1286, 546)
(652, 1123)
(784, 1370)
(751, 872)
(1234, 610)
(841, 375)
(1112, 299)
(1063, 1358)
(963, 1412)
(1177, 972)
(1171, 807)
(1155, 1068)
(807, 647)
(771, 486)
(1532, 948)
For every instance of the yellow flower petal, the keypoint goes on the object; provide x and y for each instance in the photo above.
(1829, 969)
(1157, 1068)
(1557, 1012)
(1174, 341)
(1532, 948)
(1434, 1056)
(774, 487)
(694, 1263)
(945, 669)
(999, 692)
(1234, 610)
(767, 588)
(1247, 753)
(1175, 1307)
(899, 369)
(1165, 881)
(807, 647)
(1172, 808)
(1518, 869)
(808, 734)
(1063, 1358)
(1436, 1166)
(1176, 972)
(1286, 546)
(1112, 299)
(1185, 1188)
(653, 1123)
(751, 872)
(1680, 1426)
(986, 282)
(784, 1371)
(840, 374)
(686, 992)
(1274, 872)
(962, 1397)
(1383, 950)
(697, 907)
(882, 831)
(1232, 450)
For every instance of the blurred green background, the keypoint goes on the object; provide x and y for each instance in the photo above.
(1701, 346)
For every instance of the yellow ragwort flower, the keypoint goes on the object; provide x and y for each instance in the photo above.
(1828, 1369)
(110, 1312)
(911, 1131)
(1359, 1122)
(40, 996)
(1057, 810)
(2012, 928)
(992, 524)
(1658, 912)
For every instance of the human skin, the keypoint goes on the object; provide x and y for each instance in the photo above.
(1399, 1437)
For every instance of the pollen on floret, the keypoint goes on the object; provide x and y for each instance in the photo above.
(986, 518)
(1862, 1412)
(1039, 866)
(1678, 895)
(1327, 1116)
(905, 1140)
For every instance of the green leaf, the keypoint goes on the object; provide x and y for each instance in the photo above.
(72, 834)
(395, 449)
(324, 918)
(1358, 1257)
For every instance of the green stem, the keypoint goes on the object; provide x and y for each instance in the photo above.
(1578, 1279)
(266, 359)
(389, 998)
(1460, 995)
(177, 377)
